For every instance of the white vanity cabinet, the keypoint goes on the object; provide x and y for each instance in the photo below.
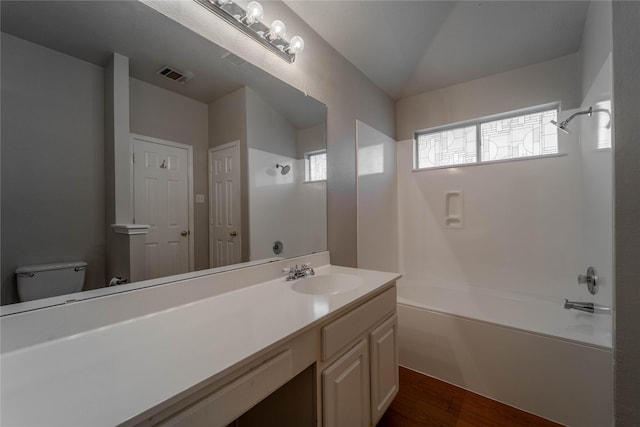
(359, 383)
(356, 375)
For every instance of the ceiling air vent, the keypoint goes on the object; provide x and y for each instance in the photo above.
(175, 75)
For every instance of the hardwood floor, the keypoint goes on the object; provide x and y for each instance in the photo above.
(426, 401)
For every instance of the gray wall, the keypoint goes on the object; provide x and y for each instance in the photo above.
(324, 74)
(311, 139)
(228, 123)
(626, 83)
(163, 114)
(268, 130)
(52, 162)
(596, 42)
(551, 81)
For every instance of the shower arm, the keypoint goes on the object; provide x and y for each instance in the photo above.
(565, 122)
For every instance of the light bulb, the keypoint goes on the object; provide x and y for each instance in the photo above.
(277, 29)
(296, 45)
(254, 12)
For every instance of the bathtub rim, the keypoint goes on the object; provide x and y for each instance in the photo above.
(410, 303)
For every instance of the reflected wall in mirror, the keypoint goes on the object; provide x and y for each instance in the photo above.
(107, 159)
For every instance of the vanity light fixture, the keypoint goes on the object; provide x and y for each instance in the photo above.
(249, 22)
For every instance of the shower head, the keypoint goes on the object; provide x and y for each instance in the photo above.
(285, 168)
(561, 126)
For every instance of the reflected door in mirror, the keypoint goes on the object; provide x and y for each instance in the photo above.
(161, 200)
(225, 246)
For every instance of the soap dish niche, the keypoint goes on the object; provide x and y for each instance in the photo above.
(454, 209)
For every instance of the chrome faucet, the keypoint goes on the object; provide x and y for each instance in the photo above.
(588, 307)
(296, 272)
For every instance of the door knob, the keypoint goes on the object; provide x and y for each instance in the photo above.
(185, 233)
(234, 233)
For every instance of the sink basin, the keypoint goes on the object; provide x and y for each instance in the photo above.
(327, 284)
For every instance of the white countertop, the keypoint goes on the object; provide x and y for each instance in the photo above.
(106, 376)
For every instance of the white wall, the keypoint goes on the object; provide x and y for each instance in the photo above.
(53, 188)
(626, 84)
(551, 81)
(324, 74)
(377, 200)
(163, 114)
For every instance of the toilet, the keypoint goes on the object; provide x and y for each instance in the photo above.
(50, 280)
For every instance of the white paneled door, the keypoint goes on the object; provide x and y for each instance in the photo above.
(161, 200)
(225, 246)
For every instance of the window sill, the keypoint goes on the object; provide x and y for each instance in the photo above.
(490, 162)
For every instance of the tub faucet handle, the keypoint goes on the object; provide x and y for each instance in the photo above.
(590, 279)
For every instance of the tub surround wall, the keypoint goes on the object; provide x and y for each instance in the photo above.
(596, 212)
(61, 145)
(521, 224)
(377, 200)
(163, 114)
(284, 199)
(325, 75)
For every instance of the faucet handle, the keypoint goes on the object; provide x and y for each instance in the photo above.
(307, 267)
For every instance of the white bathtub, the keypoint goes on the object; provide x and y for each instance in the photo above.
(526, 352)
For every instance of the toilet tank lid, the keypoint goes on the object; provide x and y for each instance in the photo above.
(47, 267)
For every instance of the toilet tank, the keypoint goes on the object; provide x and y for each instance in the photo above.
(50, 280)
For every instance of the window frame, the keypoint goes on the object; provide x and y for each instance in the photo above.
(307, 164)
(478, 125)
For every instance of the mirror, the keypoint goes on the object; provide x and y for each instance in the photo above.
(223, 164)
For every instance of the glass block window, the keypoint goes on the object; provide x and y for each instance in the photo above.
(520, 136)
(448, 147)
(508, 136)
(315, 165)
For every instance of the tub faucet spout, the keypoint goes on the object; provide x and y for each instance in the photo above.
(582, 306)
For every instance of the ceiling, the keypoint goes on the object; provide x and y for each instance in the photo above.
(93, 30)
(411, 47)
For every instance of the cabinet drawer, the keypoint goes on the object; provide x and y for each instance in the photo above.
(234, 399)
(339, 333)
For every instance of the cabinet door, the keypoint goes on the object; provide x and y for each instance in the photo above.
(345, 389)
(384, 366)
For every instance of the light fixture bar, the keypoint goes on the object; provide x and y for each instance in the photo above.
(234, 14)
